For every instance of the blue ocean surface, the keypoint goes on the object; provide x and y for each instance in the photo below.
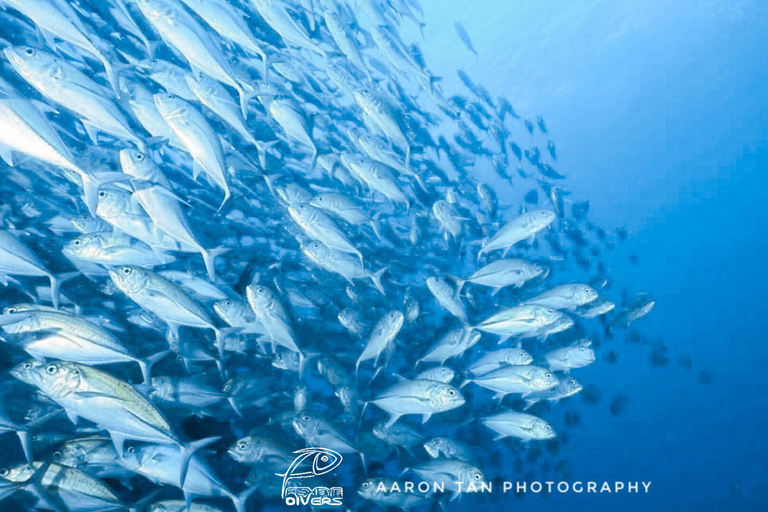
(272, 256)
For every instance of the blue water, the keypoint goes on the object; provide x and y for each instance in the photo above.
(659, 113)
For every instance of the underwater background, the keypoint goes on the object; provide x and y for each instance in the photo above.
(659, 110)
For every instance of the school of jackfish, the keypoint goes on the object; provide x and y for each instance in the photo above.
(247, 228)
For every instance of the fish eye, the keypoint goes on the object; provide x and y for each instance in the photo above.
(10, 310)
(366, 485)
(102, 194)
(548, 375)
(478, 476)
(305, 418)
(27, 365)
(228, 303)
(551, 311)
(451, 392)
(241, 445)
(572, 381)
(29, 51)
(131, 449)
(76, 242)
(56, 454)
(139, 156)
(51, 369)
(127, 271)
(227, 387)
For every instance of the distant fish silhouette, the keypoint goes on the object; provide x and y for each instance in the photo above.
(461, 31)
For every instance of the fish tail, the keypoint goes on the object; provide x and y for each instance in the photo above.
(209, 257)
(54, 290)
(188, 450)
(239, 500)
(227, 195)
(376, 226)
(112, 77)
(376, 278)
(246, 93)
(459, 283)
(147, 363)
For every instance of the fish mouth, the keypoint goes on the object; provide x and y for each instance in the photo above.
(13, 56)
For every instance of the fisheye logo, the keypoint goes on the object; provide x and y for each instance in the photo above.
(323, 461)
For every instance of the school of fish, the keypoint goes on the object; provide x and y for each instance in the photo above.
(232, 230)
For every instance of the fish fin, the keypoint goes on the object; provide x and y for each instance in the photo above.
(376, 278)
(92, 132)
(503, 338)
(239, 500)
(7, 155)
(530, 402)
(459, 283)
(392, 419)
(188, 450)
(465, 382)
(425, 417)
(26, 445)
(147, 363)
(209, 256)
(246, 92)
(262, 148)
(119, 441)
(196, 170)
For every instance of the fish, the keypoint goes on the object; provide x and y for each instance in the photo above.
(24, 129)
(525, 321)
(198, 138)
(502, 273)
(576, 355)
(498, 359)
(217, 214)
(453, 344)
(180, 30)
(522, 379)
(422, 397)
(457, 476)
(438, 447)
(523, 426)
(566, 296)
(18, 259)
(59, 20)
(447, 298)
(341, 263)
(71, 338)
(111, 403)
(462, 33)
(62, 83)
(164, 299)
(383, 334)
(518, 229)
(568, 386)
